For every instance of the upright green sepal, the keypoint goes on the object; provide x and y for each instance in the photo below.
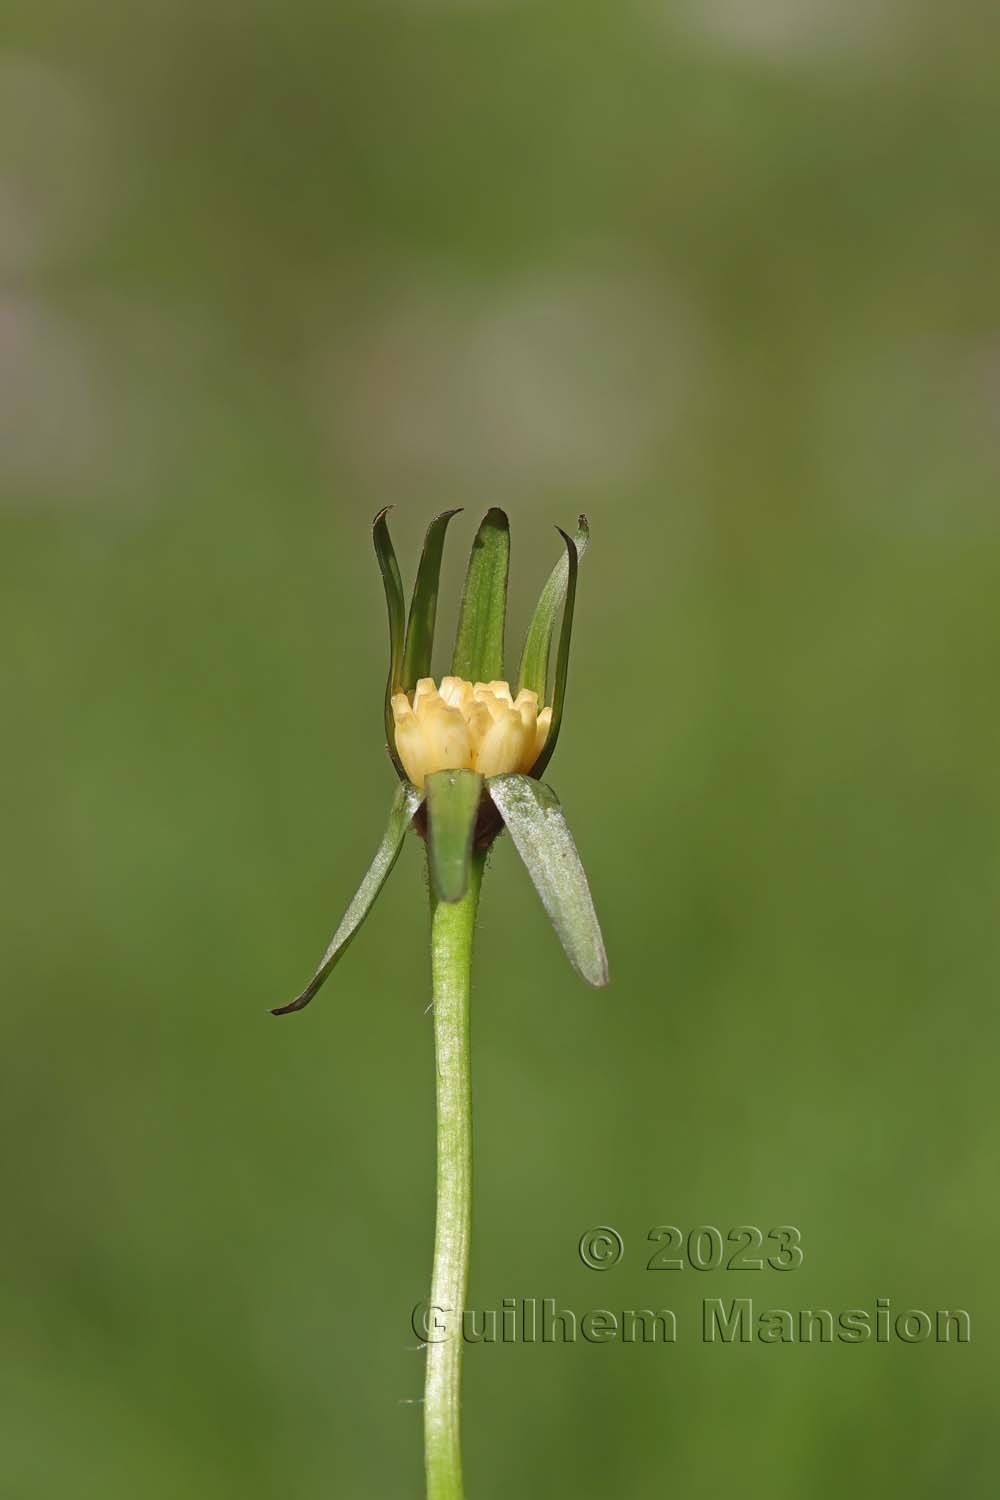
(405, 804)
(562, 658)
(423, 605)
(396, 606)
(541, 835)
(480, 639)
(453, 799)
(534, 670)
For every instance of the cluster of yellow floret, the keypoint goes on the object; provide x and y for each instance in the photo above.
(471, 726)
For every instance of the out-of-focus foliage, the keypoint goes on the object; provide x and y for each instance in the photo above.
(721, 273)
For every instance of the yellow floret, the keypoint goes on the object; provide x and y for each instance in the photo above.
(468, 726)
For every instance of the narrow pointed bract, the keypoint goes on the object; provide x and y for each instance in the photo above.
(480, 640)
(396, 607)
(453, 799)
(534, 669)
(404, 805)
(423, 605)
(541, 835)
(562, 658)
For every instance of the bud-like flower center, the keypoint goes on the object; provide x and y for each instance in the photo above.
(468, 726)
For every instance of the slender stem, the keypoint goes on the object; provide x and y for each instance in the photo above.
(452, 929)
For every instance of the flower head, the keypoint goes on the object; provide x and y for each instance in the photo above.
(474, 721)
(470, 752)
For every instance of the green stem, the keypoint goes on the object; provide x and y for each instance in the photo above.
(452, 929)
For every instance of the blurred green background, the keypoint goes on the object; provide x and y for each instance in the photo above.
(723, 274)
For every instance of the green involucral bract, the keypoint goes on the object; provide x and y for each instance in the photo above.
(534, 670)
(479, 643)
(562, 656)
(541, 835)
(423, 605)
(405, 803)
(453, 799)
(393, 584)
